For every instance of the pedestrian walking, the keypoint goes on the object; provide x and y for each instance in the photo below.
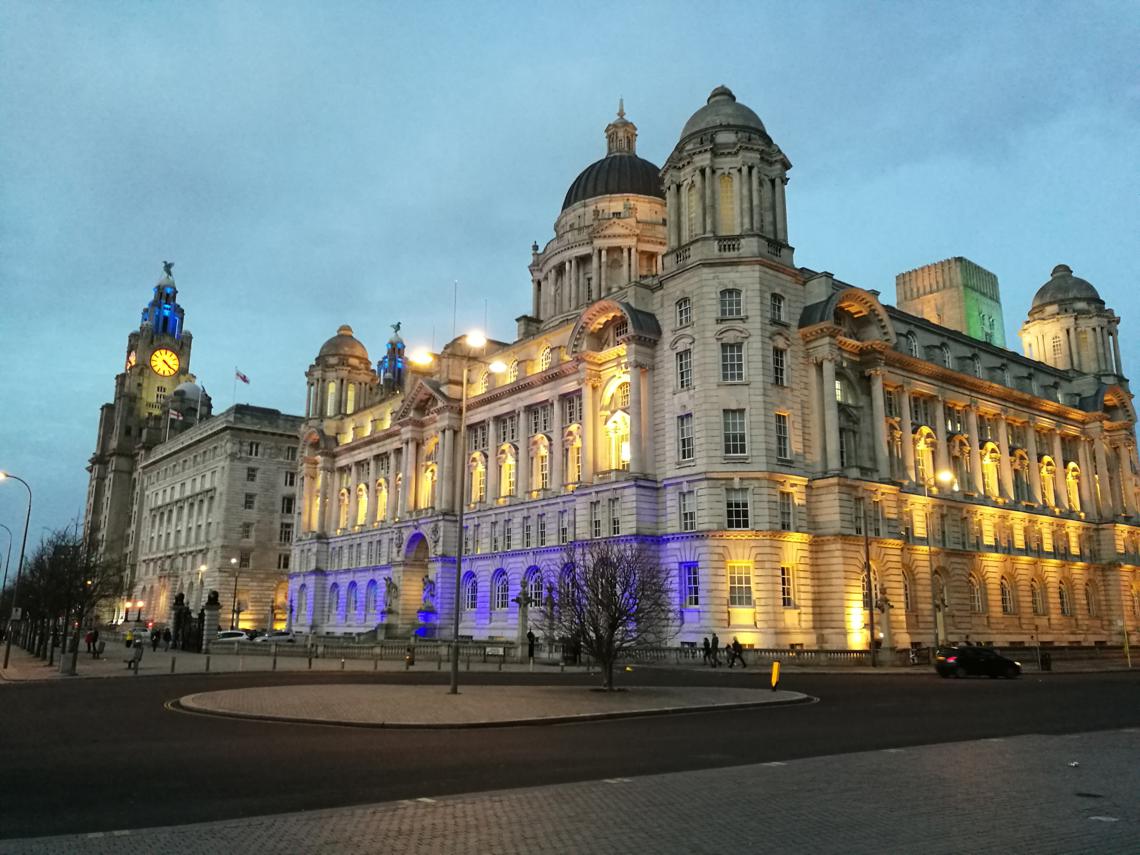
(155, 636)
(89, 640)
(530, 645)
(707, 656)
(95, 644)
(166, 638)
(737, 652)
(715, 651)
(129, 638)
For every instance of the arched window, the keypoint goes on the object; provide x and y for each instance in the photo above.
(381, 500)
(776, 308)
(684, 312)
(991, 459)
(334, 603)
(361, 504)
(924, 443)
(1065, 599)
(470, 592)
(477, 483)
(1021, 477)
(544, 359)
(910, 341)
(617, 428)
(513, 371)
(977, 599)
(534, 586)
(330, 407)
(350, 601)
(370, 599)
(960, 462)
(726, 221)
(731, 303)
(620, 399)
(431, 474)
(500, 591)
(508, 466)
(1037, 598)
(1073, 486)
(1007, 605)
(540, 471)
(484, 381)
(946, 363)
(342, 508)
(1090, 600)
(1048, 485)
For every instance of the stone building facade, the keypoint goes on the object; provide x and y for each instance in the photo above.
(760, 426)
(215, 510)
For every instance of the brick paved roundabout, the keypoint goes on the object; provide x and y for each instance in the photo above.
(1042, 794)
(474, 706)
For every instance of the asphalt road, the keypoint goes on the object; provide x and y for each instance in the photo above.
(99, 755)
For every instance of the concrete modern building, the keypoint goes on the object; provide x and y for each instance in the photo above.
(759, 425)
(215, 509)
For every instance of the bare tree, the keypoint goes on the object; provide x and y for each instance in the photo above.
(612, 595)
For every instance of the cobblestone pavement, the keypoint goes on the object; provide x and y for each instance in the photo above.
(1042, 794)
(429, 706)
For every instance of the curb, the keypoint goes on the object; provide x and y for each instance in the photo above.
(178, 706)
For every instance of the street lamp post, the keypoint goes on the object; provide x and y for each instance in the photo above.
(19, 565)
(472, 341)
(946, 478)
(233, 605)
(7, 560)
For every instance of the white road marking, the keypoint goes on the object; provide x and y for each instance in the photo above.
(616, 780)
(121, 833)
(775, 763)
(1104, 819)
(426, 801)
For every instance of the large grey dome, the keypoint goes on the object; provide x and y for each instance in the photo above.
(343, 344)
(1062, 287)
(722, 111)
(615, 174)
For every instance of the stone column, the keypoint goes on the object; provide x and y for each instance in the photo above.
(1006, 467)
(556, 474)
(942, 452)
(603, 286)
(879, 428)
(975, 455)
(1086, 488)
(1114, 332)
(710, 202)
(635, 431)
(522, 473)
(627, 268)
(492, 481)
(575, 299)
(1104, 479)
(907, 434)
(672, 214)
(209, 623)
(781, 210)
(648, 456)
(702, 208)
(831, 415)
(1034, 463)
(444, 470)
(589, 425)
(757, 202)
(353, 501)
(1060, 491)
(741, 194)
(327, 509)
(1124, 466)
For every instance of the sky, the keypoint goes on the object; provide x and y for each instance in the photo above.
(312, 164)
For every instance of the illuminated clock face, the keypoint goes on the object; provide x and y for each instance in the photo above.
(164, 362)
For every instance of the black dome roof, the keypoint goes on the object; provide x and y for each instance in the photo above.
(615, 174)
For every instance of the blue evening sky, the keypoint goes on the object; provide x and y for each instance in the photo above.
(311, 164)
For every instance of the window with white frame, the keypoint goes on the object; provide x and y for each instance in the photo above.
(508, 535)
(739, 584)
(736, 507)
(615, 516)
(779, 366)
(783, 441)
(500, 591)
(595, 519)
(731, 303)
(685, 445)
(688, 510)
(787, 588)
(977, 601)
(1006, 597)
(541, 529)
(732, 362)
(691, 584)
(859, 509)
(535, 587)
(563, 527)
(470, 592)
(787, 510)
(776, 308)
(494, 535)
(544, 359)
(684, 360)
(735, 437)
(526, 533)
(684, 312)
(572, 409)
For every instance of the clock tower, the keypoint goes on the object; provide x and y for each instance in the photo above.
(155, 398)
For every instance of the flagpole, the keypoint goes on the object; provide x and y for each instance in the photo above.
(233, 397)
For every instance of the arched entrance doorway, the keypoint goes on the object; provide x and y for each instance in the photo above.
(418, 590)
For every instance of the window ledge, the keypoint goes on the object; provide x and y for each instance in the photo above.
(724, 319)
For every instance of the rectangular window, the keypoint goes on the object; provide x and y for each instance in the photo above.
(508, 535)
(250, 473)
(247, 531)
(615, 516)
(290, 479)
(494, 536)
(735, 440)
(787, 511)
(876, 518)
(787, 590)
(730, 303)
(254, 449)
(684, 312)
(476, 539)
(542, 529)
(287, 503)
(283, 561)
(732, 362)
(290, 452)
(691, 584)
(783, 444)
(688, 508)
(526, 532)
(684, 369)
(891, 403)
(736, 507)
(544, 471)
(595, 519)
(776, 308)
(779, 366)
(285, 533)
(739, 584)
(250, 501)
(563, 527)
(860, 508)
(685, 446)
(572, 409)
(244, 559)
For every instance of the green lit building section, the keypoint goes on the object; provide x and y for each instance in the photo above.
(981, 303)
(954, 293)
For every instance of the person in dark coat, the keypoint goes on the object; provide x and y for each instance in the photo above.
(167, 636)
(736, 651)
(715, 650)
(707, 656)
(155, 635)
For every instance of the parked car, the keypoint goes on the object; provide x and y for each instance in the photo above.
(278, 636)
(230, 635)
(973, 661)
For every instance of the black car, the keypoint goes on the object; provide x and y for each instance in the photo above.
(967, 661)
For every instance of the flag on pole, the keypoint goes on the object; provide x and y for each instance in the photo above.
(174, 414)
(240, 376)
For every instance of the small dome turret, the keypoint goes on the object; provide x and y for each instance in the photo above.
(722, 110)
(1064, 287)
(620, 171)
(343, 344)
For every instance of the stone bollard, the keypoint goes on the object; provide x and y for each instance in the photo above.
(207, 663)
(310, 660)
(375, 662)
(172, 658)
(274, 657)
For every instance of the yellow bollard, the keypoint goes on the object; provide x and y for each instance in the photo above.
(775, 674)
